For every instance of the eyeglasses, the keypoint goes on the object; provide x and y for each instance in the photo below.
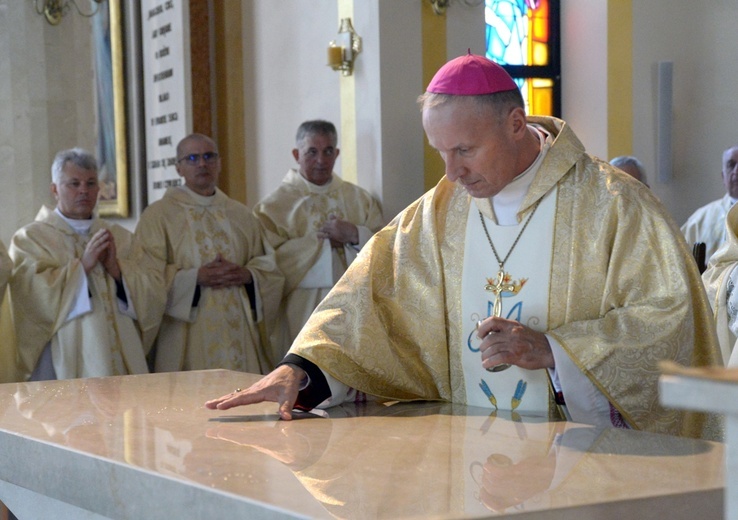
(194, 158)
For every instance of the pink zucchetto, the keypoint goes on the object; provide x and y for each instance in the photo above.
(471, 75)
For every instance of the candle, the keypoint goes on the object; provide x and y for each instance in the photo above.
(335, 56)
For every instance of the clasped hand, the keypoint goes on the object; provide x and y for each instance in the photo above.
(221, 273)
(101, 248)
(508, 341)
(339, 232)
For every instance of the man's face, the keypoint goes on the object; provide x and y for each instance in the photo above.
(730, 171)
(316, 154)
(479, 151)
(198, 163)
(76, 193)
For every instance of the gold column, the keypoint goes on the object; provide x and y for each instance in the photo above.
(202, 110)
(434, 56)
(229, 89)
(619, 77)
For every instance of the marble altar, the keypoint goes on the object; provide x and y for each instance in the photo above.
(144, 446)
(709, 389)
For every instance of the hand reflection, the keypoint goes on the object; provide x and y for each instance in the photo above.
(505, 484)
(288, 442)
(522, 467)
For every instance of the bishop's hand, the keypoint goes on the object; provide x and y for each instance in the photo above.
(281, 386)
(508, 341)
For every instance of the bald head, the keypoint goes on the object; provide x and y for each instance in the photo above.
(198, 163)
(194, 137)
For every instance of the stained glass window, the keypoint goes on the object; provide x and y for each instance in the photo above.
(523, 37)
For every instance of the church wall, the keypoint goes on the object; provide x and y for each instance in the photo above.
(386, 81)
(47, 102)
(286, 82)
(695, 36)
(584, 72)
(390, 134)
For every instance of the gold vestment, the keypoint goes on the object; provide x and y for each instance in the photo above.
(48, 269)
(182, 232)
(292, 217)
(624, 294)
(716, 279)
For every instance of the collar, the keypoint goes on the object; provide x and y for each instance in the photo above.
(81, 227)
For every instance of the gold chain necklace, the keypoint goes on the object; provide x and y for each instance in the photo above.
(499, 286)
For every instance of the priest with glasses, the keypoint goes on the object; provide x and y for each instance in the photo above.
(219, 280)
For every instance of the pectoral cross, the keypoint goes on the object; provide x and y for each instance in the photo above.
(497, 288)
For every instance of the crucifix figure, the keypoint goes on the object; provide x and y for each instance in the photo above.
(497, 288)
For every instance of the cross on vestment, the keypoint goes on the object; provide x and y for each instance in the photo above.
(497, 288)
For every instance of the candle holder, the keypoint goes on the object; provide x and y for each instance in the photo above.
(343, 50)
(439, 6)
(54, 10)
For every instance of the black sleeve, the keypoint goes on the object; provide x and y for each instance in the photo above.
(252, 297)
(317, 390)
(120, 291)
(196, 296)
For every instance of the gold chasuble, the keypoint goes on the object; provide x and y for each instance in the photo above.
(47, 275)
(623, 294)
(718, 283)
(292, 217)
(183, 231)
(9, 371)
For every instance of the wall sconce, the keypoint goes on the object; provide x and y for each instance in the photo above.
(439, 6)
(53, 10)
(343, 50)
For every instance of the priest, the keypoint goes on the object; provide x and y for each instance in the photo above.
(8, 366)
(533, 278)
(317, 223)
(79, 301)
(6, 266)
(219, 281)
(721, 281)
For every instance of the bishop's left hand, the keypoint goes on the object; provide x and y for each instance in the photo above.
(507, 341)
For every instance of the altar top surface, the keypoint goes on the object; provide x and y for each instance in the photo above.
(145, 445)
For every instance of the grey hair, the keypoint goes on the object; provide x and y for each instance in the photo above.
(77, 156)
(624, 161)
(628, 160)
(500, 102)
(316, 126)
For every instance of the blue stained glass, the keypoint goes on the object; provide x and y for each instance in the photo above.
(522, 35)
(506, 31)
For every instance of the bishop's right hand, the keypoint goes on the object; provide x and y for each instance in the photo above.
(281, 386)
